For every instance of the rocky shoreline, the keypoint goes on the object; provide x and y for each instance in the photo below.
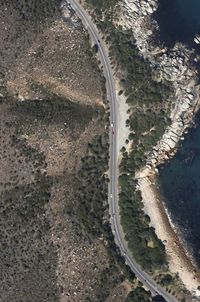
(173, 66)
(178, 257)
(176, 66)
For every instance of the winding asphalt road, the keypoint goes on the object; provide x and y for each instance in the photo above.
(95, 37)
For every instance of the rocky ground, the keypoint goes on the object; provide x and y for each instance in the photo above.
(49, 112)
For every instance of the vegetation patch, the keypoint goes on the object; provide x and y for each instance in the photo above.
(136, 226)
(28, 257)
(139, 295)
(54, 110)
(92, 186)
(102, 4)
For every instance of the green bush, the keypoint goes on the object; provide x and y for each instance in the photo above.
(102, 4)
(146, 248)
(91, 187)
(139, 295)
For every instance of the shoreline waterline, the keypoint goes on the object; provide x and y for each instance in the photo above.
(179, 185)
(184, 22)
(178, 258)
(177, 65)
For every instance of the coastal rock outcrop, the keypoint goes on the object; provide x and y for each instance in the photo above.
(172, 65)
(176, 66)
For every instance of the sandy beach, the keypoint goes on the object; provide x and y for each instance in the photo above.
(179, 260)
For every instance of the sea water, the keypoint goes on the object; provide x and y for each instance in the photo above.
(178, 20)
(179, 178)
(179, 181)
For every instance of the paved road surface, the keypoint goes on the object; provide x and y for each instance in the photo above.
(113, 188)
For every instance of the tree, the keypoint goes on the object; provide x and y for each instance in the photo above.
(158, 298)
(139, 295)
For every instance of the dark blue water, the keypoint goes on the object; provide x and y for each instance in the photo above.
(180, 184)
(179, 20)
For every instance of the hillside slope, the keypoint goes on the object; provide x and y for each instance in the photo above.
(51, 108)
